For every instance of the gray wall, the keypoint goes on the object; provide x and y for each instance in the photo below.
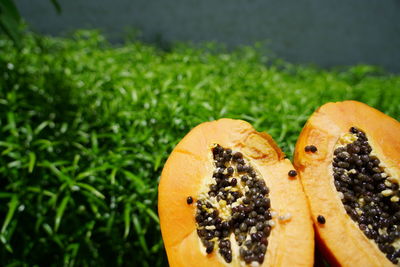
(327, 33)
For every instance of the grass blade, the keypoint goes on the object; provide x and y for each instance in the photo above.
(127, 219)
(60, 212)
(91, 189)
(32, 160)
(140, 233)
(12, 205)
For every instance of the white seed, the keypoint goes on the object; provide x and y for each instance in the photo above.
(271, 223)
(341, 196)
(285, 217)
(388, 183)
(273, 214)
(254, 264)
(359, 212)
(394, 199)
(387, 192)
(352, 171)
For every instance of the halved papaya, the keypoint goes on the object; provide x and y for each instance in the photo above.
(227, 196)
(348, 157)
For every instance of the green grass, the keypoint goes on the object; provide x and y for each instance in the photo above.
(85, 128)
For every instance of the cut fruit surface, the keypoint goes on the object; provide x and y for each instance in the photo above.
(351, 180)
(228, 197)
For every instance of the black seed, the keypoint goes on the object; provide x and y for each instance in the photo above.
(228, 257)
(292, 173)
(189, 200)
(267, 230)
(376, 162)
(354, 149)
(236, 194)
(252, 173)
(229, 170)
(251, 222)
(313, 149)
(345, 178)
(254, 237)
(264, 190)
(221, 169)
(210, 248)
(267, 203)
(354, 215)
(225, 225)
(343, 164)
(225, 233)
(343, 155)
(260, 258)
(240, 161)
(354, 130)
(338, 150)
(247, 259)
(233, 182)
(376, 169)
(260, 226)
(307, 149)
(237, 231)
(249, 183)
(217, 149)
(223, 250)
(389, 249)
(241, 216)
(267, 215)
(321, 219)
(261, 217)
(217, 233)
(363, 177)
(237, 155)
(359, 163)
(348, 196)
(243, 227)
(364, 158)
(381, 187)
(209, 235)
(199, 218)
(227, 156)
(253, 214)
(239, 168)
(395, 187)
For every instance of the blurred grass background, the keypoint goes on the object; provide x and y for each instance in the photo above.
(85, 128)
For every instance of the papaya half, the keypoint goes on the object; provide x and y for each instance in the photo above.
(228, 197)
(348, 159)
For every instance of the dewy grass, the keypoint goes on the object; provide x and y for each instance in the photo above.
(86, 127)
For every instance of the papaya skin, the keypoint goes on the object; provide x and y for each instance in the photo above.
(339, 238)
(291, 243)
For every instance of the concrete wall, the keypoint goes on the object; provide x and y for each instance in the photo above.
(327, 33)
